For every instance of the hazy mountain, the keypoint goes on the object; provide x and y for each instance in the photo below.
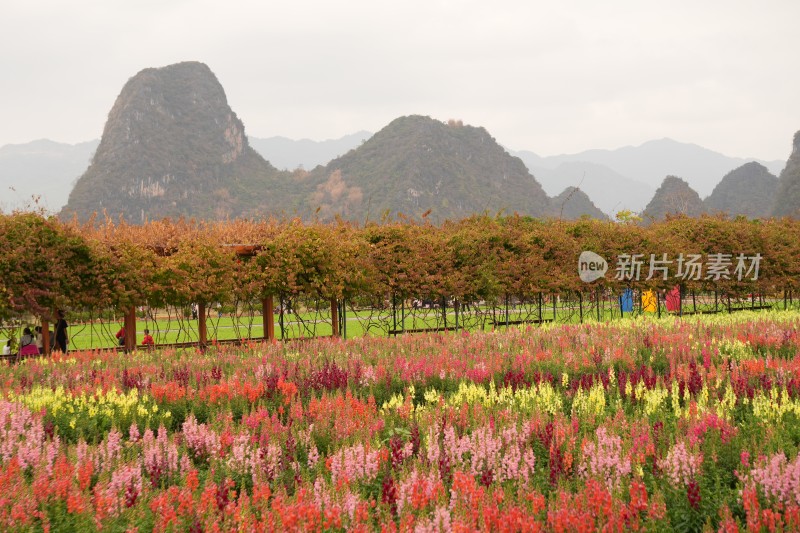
(173, 147)
(748, 190)
(304, 153)
(42, 168)
(650, 162)
(138, 166)
(787, 201)
(673, 197)
(416, 165)
(573, 203)
(610, 191)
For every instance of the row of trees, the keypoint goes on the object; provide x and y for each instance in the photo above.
(48, 264)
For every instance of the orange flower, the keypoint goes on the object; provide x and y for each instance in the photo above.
(192, 482)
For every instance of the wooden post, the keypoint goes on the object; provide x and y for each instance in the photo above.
(130, 329)
(334, 317)
(201, 323)
(343, 318)
(268, 314)
(45, 337)
(598, 304)
(540, 308)
(658, 302)
(394, 312)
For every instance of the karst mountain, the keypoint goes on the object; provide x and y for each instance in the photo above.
(573, 203)
(673, 197)
(172, 147)
(419, 166)
(787, 200)
(745, 191)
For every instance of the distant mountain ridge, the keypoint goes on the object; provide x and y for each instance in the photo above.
(49, 169)
(626, 178)
(651, 161)
(609, 190)
(173, 147)
(41, 168)
(290, 154)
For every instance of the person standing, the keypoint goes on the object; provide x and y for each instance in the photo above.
(38, 339)
(121, 336)
(61, 339)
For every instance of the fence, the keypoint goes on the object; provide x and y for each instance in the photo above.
(283, 319)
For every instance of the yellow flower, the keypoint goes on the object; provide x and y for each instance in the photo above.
(432, 396)
(593, 402)
(653, 399)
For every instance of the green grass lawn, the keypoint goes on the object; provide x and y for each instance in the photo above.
(100, 334)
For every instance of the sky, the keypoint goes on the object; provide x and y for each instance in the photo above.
(549, 77)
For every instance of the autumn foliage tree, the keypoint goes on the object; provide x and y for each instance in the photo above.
(48, 264)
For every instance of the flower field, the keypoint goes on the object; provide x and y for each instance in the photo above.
(673, 425)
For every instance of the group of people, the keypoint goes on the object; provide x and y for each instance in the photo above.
(32, 342)
(146, 341)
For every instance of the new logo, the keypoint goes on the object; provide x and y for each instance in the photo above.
(591, 266)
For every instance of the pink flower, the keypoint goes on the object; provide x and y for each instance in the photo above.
(202, 441)
(680, 465)
(354, 463)
(160, 455)
(745, 458)
(779, 479)
(604, 460)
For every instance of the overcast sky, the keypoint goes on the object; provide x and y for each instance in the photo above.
(550, 77)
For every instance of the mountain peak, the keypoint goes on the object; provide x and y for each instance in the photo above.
(673, 197)
(748, 190)
(787, 201)
(573, 203)
(416, 165)
(172, 147)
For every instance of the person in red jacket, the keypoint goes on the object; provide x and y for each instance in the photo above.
(148, 339)
(121, 336)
